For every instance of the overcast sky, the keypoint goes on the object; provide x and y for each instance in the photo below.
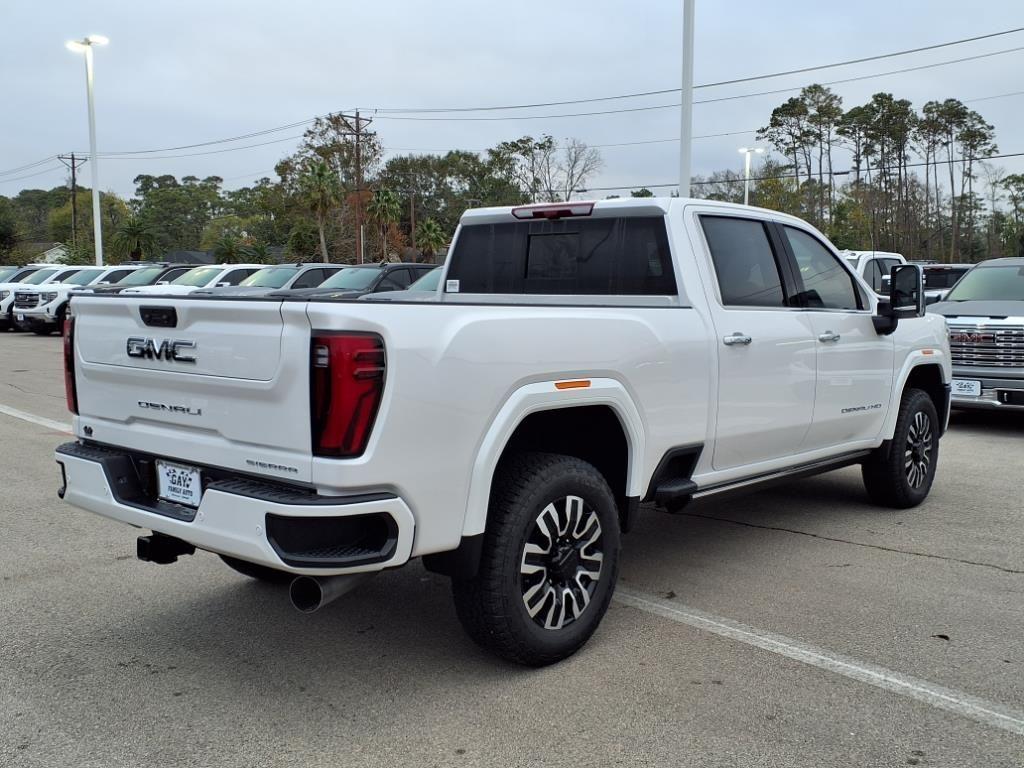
(186, 72)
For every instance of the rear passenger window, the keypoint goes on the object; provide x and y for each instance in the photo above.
(311, 278)
(235, 276)
(885, 269)
(117, 275)
(874, 275)
(827, 285)
(626, 256)
(748, 272)
(388, 283)
(401, 277)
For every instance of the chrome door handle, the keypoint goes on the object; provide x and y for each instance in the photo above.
(736, 338)
(829, 336)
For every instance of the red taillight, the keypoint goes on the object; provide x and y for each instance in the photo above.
(70, 390)
(346, 372)
(553, 210)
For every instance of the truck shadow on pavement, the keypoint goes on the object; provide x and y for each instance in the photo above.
(401, 622)
(397, 634)
(1007, 422)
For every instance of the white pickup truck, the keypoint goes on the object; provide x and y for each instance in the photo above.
(579, 359)
(874, 267)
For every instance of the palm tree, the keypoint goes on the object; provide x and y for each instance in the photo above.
(227, 249)
(257, 253)
(430, 237)
(133, 240)
(385, 209)
(321, 189)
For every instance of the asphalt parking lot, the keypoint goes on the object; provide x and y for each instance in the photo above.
(795, 627)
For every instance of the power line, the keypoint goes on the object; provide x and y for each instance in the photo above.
(997, 96)
(868, 77)
(121, 156)
(382, 112)
(252, 135)
(28, 165)
(126, 156)
(676, 105)
(789, 175)
(734, 81)
(32, 175)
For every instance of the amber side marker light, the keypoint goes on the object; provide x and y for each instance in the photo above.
(579, 384)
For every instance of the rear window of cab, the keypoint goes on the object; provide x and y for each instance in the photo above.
(624, 256)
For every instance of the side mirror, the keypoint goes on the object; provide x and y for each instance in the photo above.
(906, 298)
(906, 291)
(163, 282)
(223, 285)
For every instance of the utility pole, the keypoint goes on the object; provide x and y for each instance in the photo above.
(686, 110)
(412, 218)
(353, 126)
(72, 163)
(359, 187)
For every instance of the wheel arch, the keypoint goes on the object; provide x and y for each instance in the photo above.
(608, 411)
(920, 372)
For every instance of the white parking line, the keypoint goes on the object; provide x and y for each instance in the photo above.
(988, 713)
(59, 426)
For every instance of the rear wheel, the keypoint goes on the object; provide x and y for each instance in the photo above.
(900, 474)
(549, 561)
(42, 330)
(254, 571)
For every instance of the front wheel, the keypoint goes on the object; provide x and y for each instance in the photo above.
(900, 474)
(549, 561)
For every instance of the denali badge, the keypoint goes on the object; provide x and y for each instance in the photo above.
(856, 408)
(167, 349)
(187, 410)
(275, 467)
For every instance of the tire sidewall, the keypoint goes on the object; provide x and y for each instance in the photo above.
(595, 494)
(918, 402)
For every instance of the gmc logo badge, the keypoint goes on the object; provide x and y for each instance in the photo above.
(167, 349)
(965, 337)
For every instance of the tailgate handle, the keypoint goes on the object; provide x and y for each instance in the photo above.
(159, 317)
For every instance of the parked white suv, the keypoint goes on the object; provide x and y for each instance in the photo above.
(41, 309)
(206, 276)
(582, 358)
(49, 275)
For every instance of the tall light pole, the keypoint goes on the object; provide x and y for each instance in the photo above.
(686, 110)
(85, 46)
(748, 151)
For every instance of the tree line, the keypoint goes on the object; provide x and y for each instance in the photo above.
(885, 176)
(880, 175)
(335, 199)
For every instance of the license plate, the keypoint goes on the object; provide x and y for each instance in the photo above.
(966, 387)
(180, 484)
(21, 318)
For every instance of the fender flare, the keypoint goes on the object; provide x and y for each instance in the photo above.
(916, 359)
(544, 396)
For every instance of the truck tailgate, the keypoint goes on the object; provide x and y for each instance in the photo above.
(217, 382)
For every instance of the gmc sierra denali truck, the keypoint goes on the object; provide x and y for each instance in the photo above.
(579, 359)
(985, 314)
